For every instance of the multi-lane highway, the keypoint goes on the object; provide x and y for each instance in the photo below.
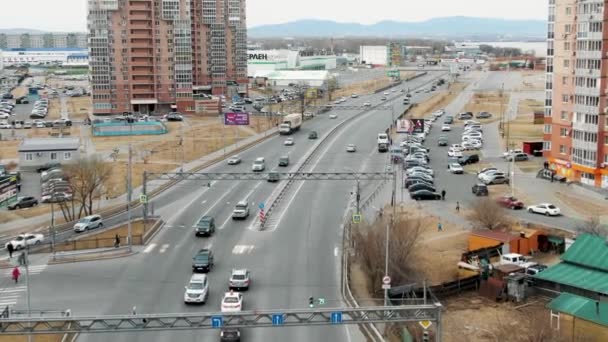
(296, 257)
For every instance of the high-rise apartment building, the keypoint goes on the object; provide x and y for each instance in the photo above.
(154, 56)
(576, 128)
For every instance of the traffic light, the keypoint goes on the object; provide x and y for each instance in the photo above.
(311, 302)
(425, 336)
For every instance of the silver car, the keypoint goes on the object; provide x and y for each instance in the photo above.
(240, 279)
(241, 210)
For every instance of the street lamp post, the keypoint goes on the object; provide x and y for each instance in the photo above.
(386, 264)
(129, 194)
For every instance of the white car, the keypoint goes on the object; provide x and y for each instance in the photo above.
(88, 222)
(39, 125)
(18, 125)
(4, 115)
(232, 302)
(386, 93)
(333, 116)
(288, 142)
(351, 148)
(419, 169)
(6, 126)
(234, 160)
(454, 153)
(26, 240)
(439, 113)
(446, 128)
(512, 152)
(354, 96)
(456, 147)
(547, 209)
(197, 290)
(367, 104)
(455, 168)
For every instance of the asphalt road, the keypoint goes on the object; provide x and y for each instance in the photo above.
(298, 258)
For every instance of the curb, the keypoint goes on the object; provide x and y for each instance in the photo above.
(116, 256)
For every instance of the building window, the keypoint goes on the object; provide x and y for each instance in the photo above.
(565, 98)
(563, 132)
(566, 63)
(568, 10)
(562, 149)
(564, 115)
(547, 129)
(29, 157)
(568, 28)
(53, 155)
(67, 155)
(566, 46)
(546, 145)
(565, 80)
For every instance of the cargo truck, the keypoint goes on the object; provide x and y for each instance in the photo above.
(290, 124)
(383, 142)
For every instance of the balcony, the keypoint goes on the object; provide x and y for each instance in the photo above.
(587, 127)
(138, 25)
(143, 91)
(589, 54)
(585, 145)
(579, 108)
(584, 162)
(587, 72)
(587, 91)
(141, 35)
(140, 17)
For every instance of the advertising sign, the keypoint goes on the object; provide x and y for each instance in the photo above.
(8, 191)
(236, 119)
(410, 126)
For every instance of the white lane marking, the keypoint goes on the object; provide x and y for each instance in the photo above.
(210, 245)
(163, 249)
(242, 249)
(184, 208)
(246, 198)
(150, 248)
(336, 251)
(203, 202)
(221, 198)
(3, 303)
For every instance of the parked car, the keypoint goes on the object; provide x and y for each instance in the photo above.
(23, 240)
(23, 202)
(421, 186)
(88, 222)
(518, 157)
(470, 159)
(446, 128)
(410, 182)
(455, 168)
(425, 195)
(547, 209)
(510, 202)
(442, 141)
(483, 115)
(48, 166)
(496, 178)
(448, 120)
(480, 189)
(205, 226)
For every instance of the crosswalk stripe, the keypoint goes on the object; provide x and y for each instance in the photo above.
(150, 248)
(242, 249)
(163, 249)
(7, 303)
(9, 291)
(37, 269)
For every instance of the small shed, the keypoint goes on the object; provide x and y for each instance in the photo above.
(488, 238)
(36, 152)
(579, 317)
(528, 243)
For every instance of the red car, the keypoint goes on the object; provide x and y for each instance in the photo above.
(510, 202)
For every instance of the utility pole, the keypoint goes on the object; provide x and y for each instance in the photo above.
(358, 198)
(27, 284)
(181, 145)
(386, 263)
(129, 194)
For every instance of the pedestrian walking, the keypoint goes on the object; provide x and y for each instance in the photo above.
(552, 176)
(457, 207)
(116, 241)
(443, 195)
(10, 248)
(16, 274)
(439, 227)
(22, 259)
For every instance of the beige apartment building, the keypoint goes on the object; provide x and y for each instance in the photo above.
(157, 56)
(576, 128)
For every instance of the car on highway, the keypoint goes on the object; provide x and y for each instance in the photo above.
(383, 98)
(241, 210)
(259, 164)
(273, 177)
(333, 116)
(546, 209)
(367, 104)
(312, 135)
(23, 202)
(386, 93)
(205, 226)
(351, 148)
(354, 96)
(88, 222)
(510, 202)
(232, 302)
(284, 161)
(202, 260)
(518, 157)
(446, 128)
(480, 189)
(448, 120)
(469, 159)
(288, 142)
(422, 195)
(230, 335)
(455, 168)
(240, 279)
(23, 240)
(197, 290)
(234, 160)
(421, 186)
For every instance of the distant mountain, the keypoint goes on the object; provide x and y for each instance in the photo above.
(20, 31)
(447, 27)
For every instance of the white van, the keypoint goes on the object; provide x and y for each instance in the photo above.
(197, 290)
(259, 164)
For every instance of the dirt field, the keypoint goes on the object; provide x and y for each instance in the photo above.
(35, 338)
(8, 149)
(79, 107)
(582, 206)
(437, 101)
(522, 129)
(54, 110)
(490, 102)
(20, 91)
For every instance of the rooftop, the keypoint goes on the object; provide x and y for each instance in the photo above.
(490, 234)
(293, 75)
(581, 307)
(576, 276)
(44, 49)
(49, 144)
(589, 251)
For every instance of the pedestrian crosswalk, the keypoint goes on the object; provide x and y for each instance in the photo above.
(33, 269)
(11, 295)
(242, 249)
(12, 292)
(165, 248)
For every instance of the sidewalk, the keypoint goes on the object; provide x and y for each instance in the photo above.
(42, 220)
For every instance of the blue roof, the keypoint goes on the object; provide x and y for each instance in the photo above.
(45, 49)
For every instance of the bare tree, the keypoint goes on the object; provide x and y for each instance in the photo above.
(489, 215)
(593, 226)
(86, 179)
(370, 244)
(332, 86)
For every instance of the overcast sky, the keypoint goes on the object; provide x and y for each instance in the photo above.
(70, 15)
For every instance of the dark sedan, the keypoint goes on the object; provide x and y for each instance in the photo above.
(422, 195)
(408, 183)
(23, 202)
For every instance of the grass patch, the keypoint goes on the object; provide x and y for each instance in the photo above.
(490, 102)
(439, 100)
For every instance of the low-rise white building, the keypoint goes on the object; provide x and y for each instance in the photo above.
(275, 60)
(283, 78)
(40, 56)
(376, 55)
(36, 152)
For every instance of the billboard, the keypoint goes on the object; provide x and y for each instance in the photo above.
(236, 119)
(8, 190)
(410, 126)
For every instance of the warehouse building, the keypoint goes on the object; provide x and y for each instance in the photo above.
(285, 78)
(275, 60)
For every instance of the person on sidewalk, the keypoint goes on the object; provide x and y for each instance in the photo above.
(21, 259)
(443, 195)
(439, 227)
(457, 207)
(10, 248)
(117, 241)
(16, 274)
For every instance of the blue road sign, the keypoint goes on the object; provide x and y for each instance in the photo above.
(217, 321)
(277, 319)
(235, 98)
(336, 317)
(261, 206)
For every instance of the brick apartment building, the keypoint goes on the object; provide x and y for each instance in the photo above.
(576, 128)
(157, 56)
